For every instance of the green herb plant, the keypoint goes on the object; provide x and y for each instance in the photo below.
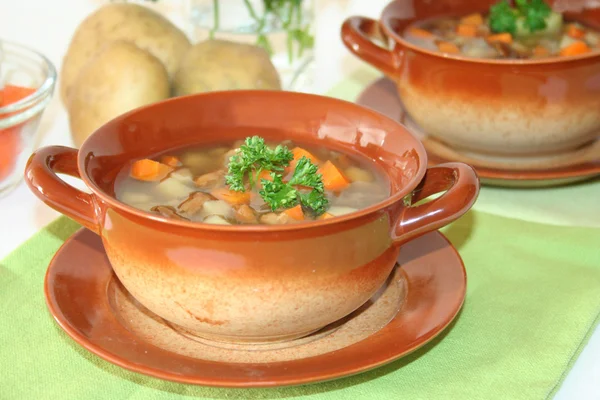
(286, 13)
(503, 17)
(254, 157)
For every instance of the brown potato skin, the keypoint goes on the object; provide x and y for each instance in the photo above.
(140, 25)
(215, 65)
(119, 78)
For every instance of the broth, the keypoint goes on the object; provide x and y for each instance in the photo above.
(195, 184)
(506, 33)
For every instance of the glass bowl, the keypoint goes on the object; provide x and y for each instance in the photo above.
(21, 67)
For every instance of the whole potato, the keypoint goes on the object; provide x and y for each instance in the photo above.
(118, 79)
(142, 26)
(215, 65)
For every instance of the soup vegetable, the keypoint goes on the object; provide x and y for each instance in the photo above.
(528, 30)
(252, 182)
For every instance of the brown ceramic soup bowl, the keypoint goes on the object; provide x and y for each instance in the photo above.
(253, 283)
(518, 108)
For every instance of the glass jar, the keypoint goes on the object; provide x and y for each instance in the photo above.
(21, 67)
(284, 28)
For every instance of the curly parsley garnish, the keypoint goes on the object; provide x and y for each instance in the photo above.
(531, 13)
(253, 157)
(503, 18)
(304, 187)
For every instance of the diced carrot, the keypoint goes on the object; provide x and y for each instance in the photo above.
(298, 153)
(466, 30)
(231, 196)
(575, 32)
(149, 170)
(264, 174)
(447, 47)
(332, 177)
(540, 51)
(295, 213)
(500, 38)
(171, 161)
(575, 49)
(472, 19)
(10, 138)
(325, 216)
(421, 33)
(11, 94)
(10, 147)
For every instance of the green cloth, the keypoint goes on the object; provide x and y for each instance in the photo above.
(533, 298)
(554, 205)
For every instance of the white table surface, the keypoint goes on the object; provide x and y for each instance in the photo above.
(48, 25)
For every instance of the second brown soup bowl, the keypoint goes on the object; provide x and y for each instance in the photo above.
(252, 283)
(487, 107)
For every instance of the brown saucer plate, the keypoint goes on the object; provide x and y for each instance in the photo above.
(91, 306)
(382, 96)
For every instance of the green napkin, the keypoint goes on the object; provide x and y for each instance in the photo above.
(546, 205)
(533, 298)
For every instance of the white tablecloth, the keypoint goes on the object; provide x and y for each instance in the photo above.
(48, 25)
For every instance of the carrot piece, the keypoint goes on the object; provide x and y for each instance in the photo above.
(501, 38)
(575, 49)
(575, 32)
(230, 196)
(447, 47)
(149, 170)
(10, 147)
(171, 161)
(421, 33)
(10, 138)
(325, 216)
(264, 174)
(540, 51)
(299, 152)
(332, 177)
(295, 213)
(472, 19)
(466, 30)
(11, 94)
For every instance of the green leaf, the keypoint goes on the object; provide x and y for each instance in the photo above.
(535, 13)
(306, 174)
(315, 200)
(253, 157)
(503, 18)
(278, 194)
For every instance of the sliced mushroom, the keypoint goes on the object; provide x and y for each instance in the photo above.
(275, 219)
(167, 211)
(210, 179)
(246, 214)
(194, 203)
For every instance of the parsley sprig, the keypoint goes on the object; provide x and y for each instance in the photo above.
(533, 14)
(253, 157)
(304, 187)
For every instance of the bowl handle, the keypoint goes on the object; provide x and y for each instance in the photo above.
(462, 187)
(40, 175)
(358, 34)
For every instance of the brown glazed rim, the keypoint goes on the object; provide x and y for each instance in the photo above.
(388, 14)
(393, 199)
(224, 381)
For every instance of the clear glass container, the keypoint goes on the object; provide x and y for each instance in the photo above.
(21, 66)
(282, 27)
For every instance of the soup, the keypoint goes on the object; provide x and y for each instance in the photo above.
(251, 182)
(529, 30)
